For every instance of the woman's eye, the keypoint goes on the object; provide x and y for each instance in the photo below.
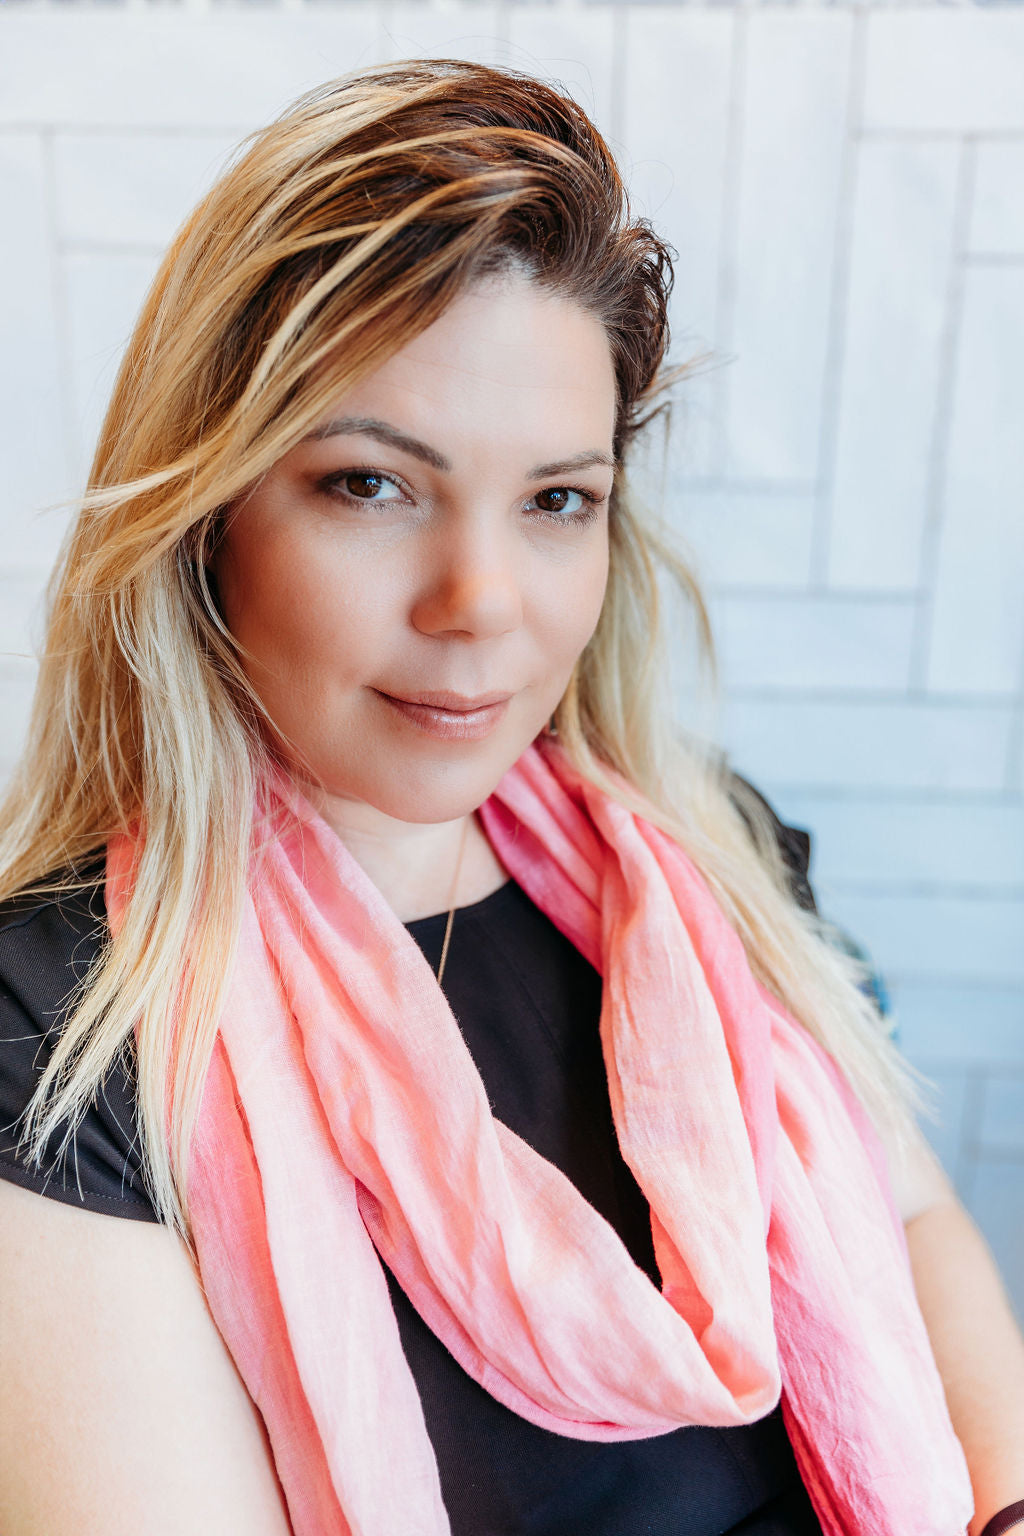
(565, 504)
(363, 485)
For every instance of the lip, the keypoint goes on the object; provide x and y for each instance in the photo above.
(455, 703)
(450, 716)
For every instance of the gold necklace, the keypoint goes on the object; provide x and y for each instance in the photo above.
(451, 909)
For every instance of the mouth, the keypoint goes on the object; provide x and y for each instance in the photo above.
(454, 703)
(450, 716)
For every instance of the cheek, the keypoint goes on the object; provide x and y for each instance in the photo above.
(288, 607)
(573, 601)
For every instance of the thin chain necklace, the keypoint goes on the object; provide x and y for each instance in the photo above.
(451, 909)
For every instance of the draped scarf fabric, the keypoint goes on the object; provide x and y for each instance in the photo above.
(344, 1122)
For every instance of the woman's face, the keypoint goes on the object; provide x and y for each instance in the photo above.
(413, 583)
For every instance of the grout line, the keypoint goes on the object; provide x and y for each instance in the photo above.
(889, 794)
(722, 486)
(847, 697)
(74, 247)
(835, 345)
(1006, 1066)
(922, 890)
(1005, 1156)
(63, 6)
(942, 420)
(993, 259)
(944, 135)
(384, 16)
(721, 591)
(844, 798)
(1015, 745)
(980, 982)
(620, 65)
(502, 34)
(826, 797)
(61, 315)
(124, 130)
(969, 1138)
(800, 595)
(728, 248)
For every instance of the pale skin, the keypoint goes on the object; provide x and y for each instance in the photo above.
(123, 1410)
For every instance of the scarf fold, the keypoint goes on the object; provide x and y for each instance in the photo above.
(344, 1122)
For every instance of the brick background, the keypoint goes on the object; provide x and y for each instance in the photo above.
(845, 187)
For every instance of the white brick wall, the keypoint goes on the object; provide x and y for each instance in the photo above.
(794, 90)
(977, 616)
(901, 256)
(997, 223)
(856, 744)
(675, 118)
(845, 188)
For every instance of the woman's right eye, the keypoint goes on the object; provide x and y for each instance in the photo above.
(361, 485)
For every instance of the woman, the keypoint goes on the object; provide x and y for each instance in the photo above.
(348, 707)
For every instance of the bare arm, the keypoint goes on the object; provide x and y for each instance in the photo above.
(122, 1410)
(975, 1338)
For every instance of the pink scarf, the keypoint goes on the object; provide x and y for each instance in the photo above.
(343, 1118)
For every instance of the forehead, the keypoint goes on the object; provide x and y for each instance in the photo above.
(509, 365)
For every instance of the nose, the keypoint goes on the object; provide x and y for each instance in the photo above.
(471, 582)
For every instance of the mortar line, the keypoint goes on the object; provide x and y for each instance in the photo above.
(835, 346)
(942, 421)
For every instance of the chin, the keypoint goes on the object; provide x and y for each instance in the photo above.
(444, 792)
(432, 784)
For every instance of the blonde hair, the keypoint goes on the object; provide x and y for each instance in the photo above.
(346, 227)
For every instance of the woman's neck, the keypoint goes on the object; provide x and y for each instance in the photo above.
(413, 864)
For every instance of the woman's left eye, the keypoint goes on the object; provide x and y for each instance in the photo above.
(567, 504)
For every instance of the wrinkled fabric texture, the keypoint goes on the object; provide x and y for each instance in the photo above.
(343, 1118)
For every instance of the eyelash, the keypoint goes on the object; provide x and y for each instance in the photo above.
(331, 486)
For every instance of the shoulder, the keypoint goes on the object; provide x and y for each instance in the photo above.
(48, 941)
(48, 944)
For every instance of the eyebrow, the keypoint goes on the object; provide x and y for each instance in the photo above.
(384, 432)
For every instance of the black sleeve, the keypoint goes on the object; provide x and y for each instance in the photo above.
(46, 947)
(794, 845)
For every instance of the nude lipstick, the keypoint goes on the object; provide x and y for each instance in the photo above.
(450, 716)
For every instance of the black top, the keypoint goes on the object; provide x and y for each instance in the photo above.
(528, 1005)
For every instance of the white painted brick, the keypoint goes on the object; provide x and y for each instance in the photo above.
(945, 70)
(104, 294)
(947, 1094)
(675, 123)
(746, 538)
(794, 122)
(959, 1025)
(812, 643)
(934, 937)
(899, 276)
(997, 1205)
(32, 415)
(17, 681)
(997, 216)
(233, 70)
(413, 30)
(134, 189)
(695, 430)
(897, 745)
(1002, 1120)
(571, 44)
(977, 634)
(897, 842)
(21, 600)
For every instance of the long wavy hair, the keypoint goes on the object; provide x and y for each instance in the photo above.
(339, 232)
